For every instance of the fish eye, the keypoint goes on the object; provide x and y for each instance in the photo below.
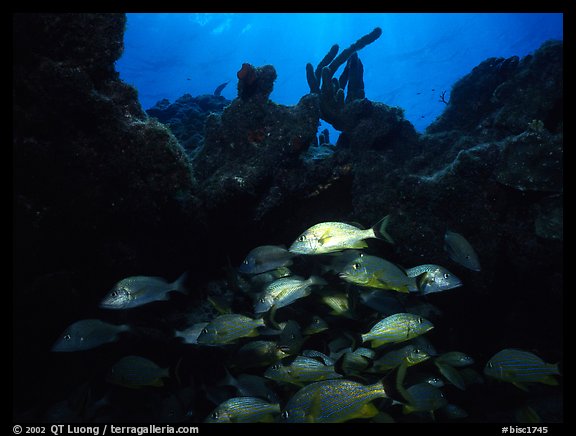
(276, 366)
(416, 350)
(204, 330)
(67, 337)
(446, 275)
(490, 365)
(285, 415)
(215, 415)
(301, 238)
(262, 300)
(114, 293)
(420, 319)
(245, 262)
(356, 266)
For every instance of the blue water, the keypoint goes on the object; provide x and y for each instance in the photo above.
(418, 56)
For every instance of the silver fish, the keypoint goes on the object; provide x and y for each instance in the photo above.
(87, 334)
(244, 409)
(226, 329)
(433, 278)
(139, 290)
(190, 335)
(285, 291)
(329, 237)
(460, 250)
(301, 371)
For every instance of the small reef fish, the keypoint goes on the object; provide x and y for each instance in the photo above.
(285, 291)
(190, 335)
(456, 359)
(433, 278)
(423, 397)
(317, 325)
(87, 334)
(375, 272)
(259, 281)
(249, 385)
(301, 371)
(329, 237)
(460, 250)
(519, 367)
(137, 372)
(333, 401)
(139, 290)
(257, 353)
(226, 329)
(266, 258)
(409, 354)
(397, 328)
(244, 409)
(357, 361)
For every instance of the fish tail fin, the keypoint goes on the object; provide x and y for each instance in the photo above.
(549, 380)
(380, 229)
(180, 284)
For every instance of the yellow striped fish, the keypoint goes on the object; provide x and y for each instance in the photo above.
(519, 367)
(244, 409)
(226, 329)
(399, 327)
(333, 401)
(329, 237)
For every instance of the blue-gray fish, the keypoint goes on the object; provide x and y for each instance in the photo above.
(460, 250)
(423, 397)
(244, 409)
(139, 290)
(456, 359)
(433, 278)
(397, 328)
(285, 291)
(249, 385)
(266, 258)
(329, 237)
(375, 272)
(87, 334)
(317, 325)
(519, 367)
(333, 401)
(226, 329)
(301, 371)
(136, 372)
(409, 354)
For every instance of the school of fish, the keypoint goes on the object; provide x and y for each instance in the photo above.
(325, 331)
